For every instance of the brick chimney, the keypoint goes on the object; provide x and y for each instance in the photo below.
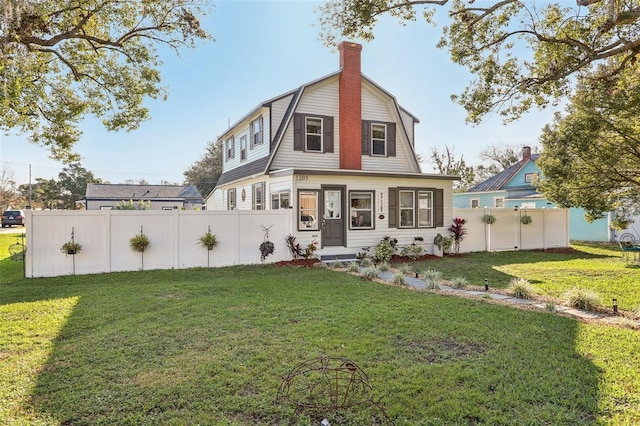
(350, 98)
(526, 153)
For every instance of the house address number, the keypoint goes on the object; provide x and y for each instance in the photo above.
(302, 178)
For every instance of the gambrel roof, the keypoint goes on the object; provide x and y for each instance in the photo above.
(263, 165)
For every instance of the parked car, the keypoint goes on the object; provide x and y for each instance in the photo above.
(12, 217)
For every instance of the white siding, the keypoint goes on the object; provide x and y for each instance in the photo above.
(376, 107)
(278, 109)
(321, 99)
(242, 129)
(357, 239)
(409, 124)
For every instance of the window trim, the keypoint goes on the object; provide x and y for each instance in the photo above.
(431, 209)
(372, 194)
(243, 147)
(315, 192)
(258, 122)
(231, 199)
(230, 148)
(256, 188)
(307, 134)
(413, 207)
(437, 207)
(531, 177)
(385, 140)
(277, 196)
(495, 202)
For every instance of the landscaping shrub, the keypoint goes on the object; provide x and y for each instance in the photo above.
(370, 273)
(581, 298)
(398, 278)
(520, 288)
(459, 282)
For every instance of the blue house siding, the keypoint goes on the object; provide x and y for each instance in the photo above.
(581, 230)
(518, 180)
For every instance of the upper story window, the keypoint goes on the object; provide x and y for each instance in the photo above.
(378, 138)
(230, 148)
(475, 203)
(256, 132)
(498, 202)
(243, 148)
(531, 177)
(313, 134)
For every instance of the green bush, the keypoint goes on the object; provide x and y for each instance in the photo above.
(384, 266)
(412, 251)
(459, 282)
(520, 288)
(581, 298)
(383, 251)
(353, 267)
(398, 278)
(370, 273)
(405, 268)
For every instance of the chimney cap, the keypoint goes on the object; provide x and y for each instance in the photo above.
(349, 45)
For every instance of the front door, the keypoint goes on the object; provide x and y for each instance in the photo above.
(333, 216)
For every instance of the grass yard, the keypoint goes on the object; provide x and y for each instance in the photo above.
(212, 346)
(598, 267)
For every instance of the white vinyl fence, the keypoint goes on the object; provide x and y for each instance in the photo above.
(173, 236)
(549, 228)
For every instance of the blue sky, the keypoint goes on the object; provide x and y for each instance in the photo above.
(263, 49)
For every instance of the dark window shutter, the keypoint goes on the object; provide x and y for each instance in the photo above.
(393, 207)
(391, 139)
(327, 127)
(439, 203)
(261, 133)
(298, 132)
(251, 130)
(366, 137)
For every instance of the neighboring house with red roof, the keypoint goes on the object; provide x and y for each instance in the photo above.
(101, 196)
(515, 187)
(340, 152)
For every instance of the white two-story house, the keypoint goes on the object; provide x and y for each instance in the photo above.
(340, 152)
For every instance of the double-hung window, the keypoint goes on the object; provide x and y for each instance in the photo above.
(243, 147)
(308, 210)
(231, 199)
(313, 134)
(407, 209)
(258, 196)
(425, 209)
(256, 133)
(378, 139)
(361, 209)
(230, 148)
(498, 202)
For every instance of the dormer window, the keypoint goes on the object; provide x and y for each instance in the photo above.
(243, 147)
(230, 148)
(256, 133)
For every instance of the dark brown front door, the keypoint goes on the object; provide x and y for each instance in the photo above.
(332, 214)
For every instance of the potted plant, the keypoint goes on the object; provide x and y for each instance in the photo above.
(139, 242)
(208, 240)
(489, 219)
(71, 247)
(526, 219)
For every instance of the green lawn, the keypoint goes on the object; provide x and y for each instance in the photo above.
(212, 346)
(593, 266)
